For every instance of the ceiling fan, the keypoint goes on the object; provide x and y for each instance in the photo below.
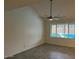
(53, 17)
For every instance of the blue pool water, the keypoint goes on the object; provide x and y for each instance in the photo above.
(61, 35)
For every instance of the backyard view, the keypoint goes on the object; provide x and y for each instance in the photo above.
(62, 31)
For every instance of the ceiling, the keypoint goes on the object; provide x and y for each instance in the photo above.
(12, 4)
(65, 8)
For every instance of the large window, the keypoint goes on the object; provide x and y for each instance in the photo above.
(62, 31)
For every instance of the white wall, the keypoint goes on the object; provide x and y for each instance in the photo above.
(23, 30)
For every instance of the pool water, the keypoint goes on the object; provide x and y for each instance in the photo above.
(61, 35)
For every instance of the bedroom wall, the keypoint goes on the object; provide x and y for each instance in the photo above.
(23, 30)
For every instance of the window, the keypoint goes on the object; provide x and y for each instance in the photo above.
(53, 31)
(71, 31)
(66, 31)
(62, 31)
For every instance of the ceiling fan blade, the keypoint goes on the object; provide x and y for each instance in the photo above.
(58, 17)
(54, 18)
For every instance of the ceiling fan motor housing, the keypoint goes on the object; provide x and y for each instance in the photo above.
(50, 17)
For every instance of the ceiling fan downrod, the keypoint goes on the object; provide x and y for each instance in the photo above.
(50, 17)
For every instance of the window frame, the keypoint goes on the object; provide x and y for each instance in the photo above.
(64, 30)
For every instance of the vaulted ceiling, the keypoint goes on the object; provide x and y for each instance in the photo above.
(65, 8)
(12, 4)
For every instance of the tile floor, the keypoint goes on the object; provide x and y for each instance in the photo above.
(47, 51)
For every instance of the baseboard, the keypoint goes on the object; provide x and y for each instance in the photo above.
(59, 45)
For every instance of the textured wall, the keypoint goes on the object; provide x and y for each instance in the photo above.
(23, 30)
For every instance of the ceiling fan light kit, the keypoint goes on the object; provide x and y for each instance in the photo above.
(50, 18)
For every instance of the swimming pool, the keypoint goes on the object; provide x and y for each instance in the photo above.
(61, 35)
